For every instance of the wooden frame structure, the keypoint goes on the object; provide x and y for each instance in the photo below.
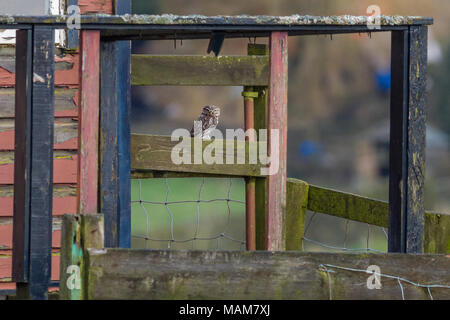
(104, 40)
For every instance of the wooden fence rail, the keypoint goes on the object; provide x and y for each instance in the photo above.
(162, 274)
(302, 197)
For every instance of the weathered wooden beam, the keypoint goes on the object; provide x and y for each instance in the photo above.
(407, 148)
(277, 123)
(347, 206)
(88, 121)
(22, 159)
(260, 121)
(147, 70)
(362, 209)
(415, 197)
(296, 207)
(40, 157)
(151, 152)
(238, 275)
(108, 151)
(79, 232)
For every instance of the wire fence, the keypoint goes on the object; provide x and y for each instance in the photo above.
(209, 214)
(188, 213)
(326, 233)
(402, 282)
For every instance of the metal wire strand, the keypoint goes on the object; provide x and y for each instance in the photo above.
(224, 234)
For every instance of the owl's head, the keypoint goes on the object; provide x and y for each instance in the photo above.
(212, 111)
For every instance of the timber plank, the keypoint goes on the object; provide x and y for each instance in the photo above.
(65, 136)
(151, 152)
(147, 70)
(277, 122)
(64, 168)
(163, 274)
(88, 122)
(64, 103)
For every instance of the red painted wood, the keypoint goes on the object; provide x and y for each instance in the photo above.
(64, 171)
(6, 237)
(7, 142)
(6, 270)
(90, 6)
(88, 121)
(277, 119)
(61, 206)
(63, 78)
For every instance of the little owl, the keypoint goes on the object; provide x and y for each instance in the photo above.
(209, 118)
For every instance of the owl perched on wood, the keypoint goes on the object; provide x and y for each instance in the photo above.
(209, 119)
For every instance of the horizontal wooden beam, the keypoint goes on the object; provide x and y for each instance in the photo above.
(148, 70)
(362, 209)
(348, 206)
(151, 152)
(162, 274)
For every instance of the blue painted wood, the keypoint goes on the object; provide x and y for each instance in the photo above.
(72, 34)
(108, 156)
(115, 183)
(41, 194)
(123, 138)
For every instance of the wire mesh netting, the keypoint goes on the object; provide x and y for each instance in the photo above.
(188, 213)
(326, 233)
(209, 214)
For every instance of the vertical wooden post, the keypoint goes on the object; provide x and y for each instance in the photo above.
(38, 190)
(22, 152)
(260, 122)
(79, 232)
(296, 208)
(249, 111)
(407, 145)
(88, 121)
(415, 207)
(115, 162)
(397, 142)
(72, 34)
(109, 198)
(277, 120)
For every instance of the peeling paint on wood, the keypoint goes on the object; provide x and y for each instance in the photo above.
(277, 121)
(88, 122)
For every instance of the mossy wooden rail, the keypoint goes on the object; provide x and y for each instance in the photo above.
(163, 274)
(302, 197)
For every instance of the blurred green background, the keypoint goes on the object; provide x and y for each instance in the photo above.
(338, 105)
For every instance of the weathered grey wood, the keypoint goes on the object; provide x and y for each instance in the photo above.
(415, 197)
(147, 70)
(64, 103)
(149, 274)
(78, 233)
(150, 152)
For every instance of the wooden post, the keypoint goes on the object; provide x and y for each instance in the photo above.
(79, 232)
(407, 144)
(260, 122)
(35, 158)
(109, 198)
(88, 121)
(277, 120)
(296, 208)
(249, 95)
(22, 159)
